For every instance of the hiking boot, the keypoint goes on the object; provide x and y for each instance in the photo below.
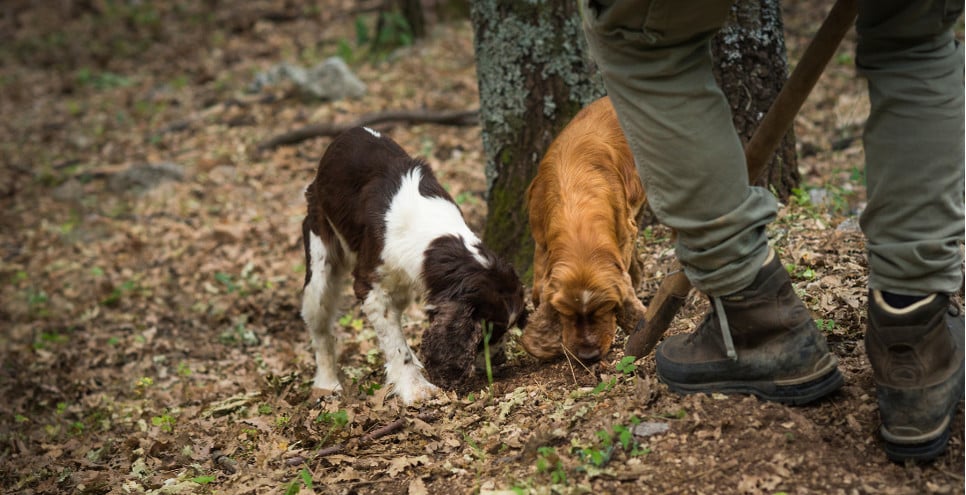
(760, 340)
(916, 354)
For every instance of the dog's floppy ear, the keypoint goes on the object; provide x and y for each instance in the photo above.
(448, 348)
(630, 316)
(543, 335)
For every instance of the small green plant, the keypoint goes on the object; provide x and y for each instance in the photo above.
(626, 365)
(370, 388)
(679, 414)
(114, 298)
(226, 280)
(183, 369)
(394, 31)
(627, 441)
(800, 197)
(304, 478)
(37, 300)
(335, 420)
(596, 457)
(344, 51)
(179, 82)
(549, 462)
(50, 338)
(608, 442)
(203, 479)
(349, 321)
(604, 386)
(281, 421)
(478, 451)
(165, 422)
(101, 80)
(142, 385)
(77, 428)
(264, 409)
(362, 32)
(825, 325)
(239, 333)
(487, 334)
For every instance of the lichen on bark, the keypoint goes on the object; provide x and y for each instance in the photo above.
(534, 74)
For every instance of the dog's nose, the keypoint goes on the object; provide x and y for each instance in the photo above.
(588, 353)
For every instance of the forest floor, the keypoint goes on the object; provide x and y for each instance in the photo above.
(151, 266)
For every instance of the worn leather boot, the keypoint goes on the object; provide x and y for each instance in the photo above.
(917, 363)
(760, 340)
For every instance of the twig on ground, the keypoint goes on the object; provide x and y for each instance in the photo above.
(332, 449)
(383, 431)
(457, 118)
(569, 354)
(375, 434)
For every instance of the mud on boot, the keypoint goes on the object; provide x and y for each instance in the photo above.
(916, 354)
(760, 340)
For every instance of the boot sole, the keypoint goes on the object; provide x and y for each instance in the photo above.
(797, 394)
(920, 452)
(898, 451)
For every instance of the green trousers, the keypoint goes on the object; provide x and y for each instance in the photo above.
(655, 59)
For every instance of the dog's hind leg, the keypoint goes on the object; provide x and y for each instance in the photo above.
(324, 282)
(403, 369)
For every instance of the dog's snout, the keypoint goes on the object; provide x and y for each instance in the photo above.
(588, 353)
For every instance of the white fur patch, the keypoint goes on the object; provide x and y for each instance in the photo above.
(373, 132)
(413, 221)
(319, 299)
(584, 300)
(315, 290)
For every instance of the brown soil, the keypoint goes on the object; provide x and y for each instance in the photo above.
(151, 341)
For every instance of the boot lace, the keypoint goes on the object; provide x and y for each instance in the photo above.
(729, 343)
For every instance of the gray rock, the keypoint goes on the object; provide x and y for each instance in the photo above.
(139, 178)
(650, 428)
(330, 80)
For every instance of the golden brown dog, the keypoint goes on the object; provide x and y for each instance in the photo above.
(583, 206)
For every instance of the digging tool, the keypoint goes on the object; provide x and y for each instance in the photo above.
(675, 286)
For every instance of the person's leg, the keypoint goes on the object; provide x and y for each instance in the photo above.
(913, 145)
(679, 127)
(914, 219)
(759, 338)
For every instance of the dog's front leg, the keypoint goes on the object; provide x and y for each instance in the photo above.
(403, 369)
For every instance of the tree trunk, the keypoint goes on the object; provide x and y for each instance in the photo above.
(751, 66)
(534, 74)
(412, 11)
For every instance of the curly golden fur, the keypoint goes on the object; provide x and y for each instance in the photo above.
(583, 204)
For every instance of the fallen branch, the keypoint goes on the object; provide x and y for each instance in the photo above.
(383, 431)
(374, 435)
(456, 118)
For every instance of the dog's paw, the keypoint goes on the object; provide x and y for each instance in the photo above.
(413, 388)
(327, 381)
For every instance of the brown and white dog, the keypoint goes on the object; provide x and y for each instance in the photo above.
(583, 205)
(376, 211)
